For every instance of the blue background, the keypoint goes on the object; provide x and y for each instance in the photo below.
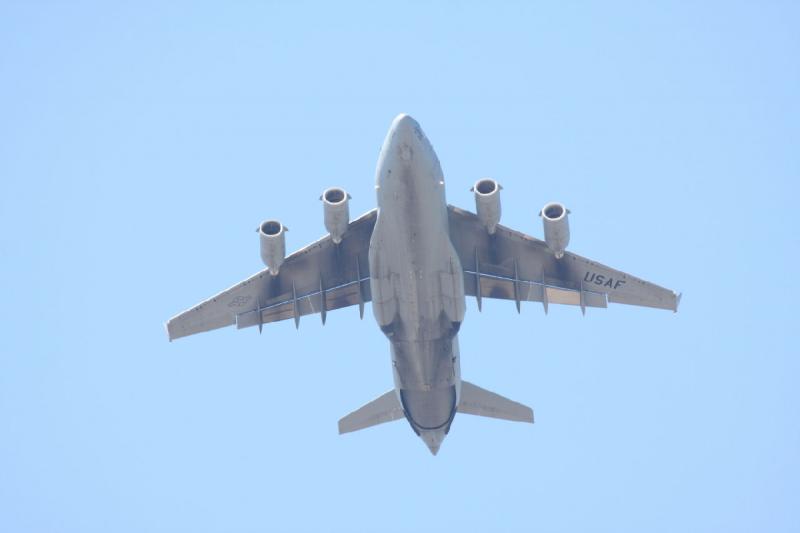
(140, 146)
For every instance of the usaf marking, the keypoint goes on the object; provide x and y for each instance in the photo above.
(239, 301)
(599, 279)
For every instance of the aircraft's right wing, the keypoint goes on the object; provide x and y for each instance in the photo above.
(316, 279)
(513, 266)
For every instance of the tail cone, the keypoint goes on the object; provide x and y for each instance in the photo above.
(433, 439)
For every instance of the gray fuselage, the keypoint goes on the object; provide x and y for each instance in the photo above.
(416, 280)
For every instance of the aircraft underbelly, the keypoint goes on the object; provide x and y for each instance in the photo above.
(417, 284)
(416, 281)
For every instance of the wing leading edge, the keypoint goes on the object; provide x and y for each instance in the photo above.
(319, 278)
(513, 266)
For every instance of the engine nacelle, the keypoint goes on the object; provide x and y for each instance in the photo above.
(272, 235)
(556, 227)
(487, 202)
(337, 212)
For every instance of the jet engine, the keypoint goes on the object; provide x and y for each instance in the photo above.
(272, 235)
(487, 202)
(337, 212)
(556, 227)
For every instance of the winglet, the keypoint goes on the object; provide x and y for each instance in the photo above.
(677, 302)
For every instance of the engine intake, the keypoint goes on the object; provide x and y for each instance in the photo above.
(272, 235)
(556, 227)
(337, 212)
(487, 203)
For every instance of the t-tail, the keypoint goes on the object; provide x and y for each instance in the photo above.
(473, 401)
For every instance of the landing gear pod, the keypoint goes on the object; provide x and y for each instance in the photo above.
(272, 235)
(556, 227)
(337, 212)
(487, 202)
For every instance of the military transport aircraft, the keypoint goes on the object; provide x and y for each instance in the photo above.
(416, 258)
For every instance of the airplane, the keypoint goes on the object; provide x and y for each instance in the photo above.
(416, 258)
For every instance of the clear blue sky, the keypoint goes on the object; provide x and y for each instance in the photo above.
(140, 146)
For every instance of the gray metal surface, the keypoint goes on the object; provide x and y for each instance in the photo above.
(416, 259)
(342, 271)
(417, 281)
(508, 255)
(384, 408)
(481, 402)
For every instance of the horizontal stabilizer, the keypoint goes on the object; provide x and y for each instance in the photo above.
(481, 402)
(385, 408)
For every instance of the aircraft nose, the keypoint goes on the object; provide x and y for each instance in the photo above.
(407, 155)
(404, 124)
(406, 136)
(433, 439)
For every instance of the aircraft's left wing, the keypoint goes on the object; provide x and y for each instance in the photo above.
(513, 266)
(316, 279)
